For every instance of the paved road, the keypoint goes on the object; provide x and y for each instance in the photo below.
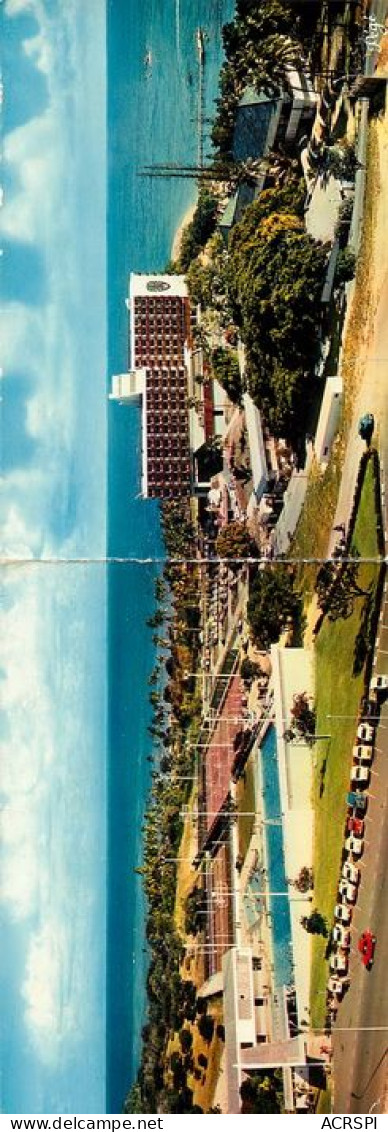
(361, 1054)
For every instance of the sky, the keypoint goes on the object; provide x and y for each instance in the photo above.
(53, 616)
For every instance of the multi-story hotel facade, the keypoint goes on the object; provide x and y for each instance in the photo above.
(159, 330)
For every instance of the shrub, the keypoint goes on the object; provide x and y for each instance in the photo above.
(305, 879)
(346, 266)
(249, 671)
(186, 1040)
(206, 1028)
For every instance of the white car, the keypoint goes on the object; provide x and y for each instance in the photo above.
(362, 755)
(335, 986)
(339, 964)
(343, 913)
(341, 937)
(347, 891)
(355, 846)
(379, 683)
(350, 872)
(366, 732)
(360, 775)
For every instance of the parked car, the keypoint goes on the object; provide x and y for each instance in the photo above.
(366, 426)
(379, 684)
(360, 775)
(350, 872)
(347, 891)
(355, 825)
(362, 754)
(354, 845)
(366, 946)
(366, 732)
(343, 913)
(339, 964)
(357, 802)
(336, 986)
(340, 936)
(372, 710)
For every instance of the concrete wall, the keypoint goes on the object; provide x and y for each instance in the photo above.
(328, 419)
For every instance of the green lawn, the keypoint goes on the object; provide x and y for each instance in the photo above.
(339, 690)
(312, 533)
(246, 807)
(324, 1101)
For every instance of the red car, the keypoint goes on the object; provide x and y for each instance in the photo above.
(366, 947)
(356, 826)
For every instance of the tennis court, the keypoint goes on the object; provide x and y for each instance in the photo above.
(220, 753)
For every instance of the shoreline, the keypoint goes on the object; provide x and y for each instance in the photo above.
(177, 239)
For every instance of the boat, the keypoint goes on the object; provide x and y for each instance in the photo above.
(148, 59)
(200, 46)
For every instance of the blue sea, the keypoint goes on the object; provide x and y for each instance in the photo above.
(81, 115)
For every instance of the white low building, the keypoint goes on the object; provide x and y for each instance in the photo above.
(328, 419)
(259, 467)
(247, 1047)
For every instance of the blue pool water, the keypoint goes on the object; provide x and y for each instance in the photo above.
(279, 906)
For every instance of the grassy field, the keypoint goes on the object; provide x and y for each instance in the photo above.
(205, 1083)
(312, 533)
(324, 1101)
(340, 682)
(246, 801)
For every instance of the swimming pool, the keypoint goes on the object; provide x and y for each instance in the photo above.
(253, 899)
(278, 905)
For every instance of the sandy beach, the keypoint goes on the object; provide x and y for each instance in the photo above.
(176, 243)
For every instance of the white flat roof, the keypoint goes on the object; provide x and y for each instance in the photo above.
(141, 285)
(256, 444)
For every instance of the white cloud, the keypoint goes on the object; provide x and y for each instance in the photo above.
(22, 874)
(26, 753)
(39, 50)
(35, 151)
(52, 1012)
(17, 540)
(16, 7)
(48, 771)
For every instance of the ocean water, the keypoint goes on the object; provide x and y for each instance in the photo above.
(151, 118)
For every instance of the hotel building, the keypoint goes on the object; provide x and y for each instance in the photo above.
(160, 327)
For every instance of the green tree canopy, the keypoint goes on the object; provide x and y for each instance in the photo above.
(272, 601)
(274, 279)
(227, 371)
(261, 1093)
(259, 44)
(235, 541)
